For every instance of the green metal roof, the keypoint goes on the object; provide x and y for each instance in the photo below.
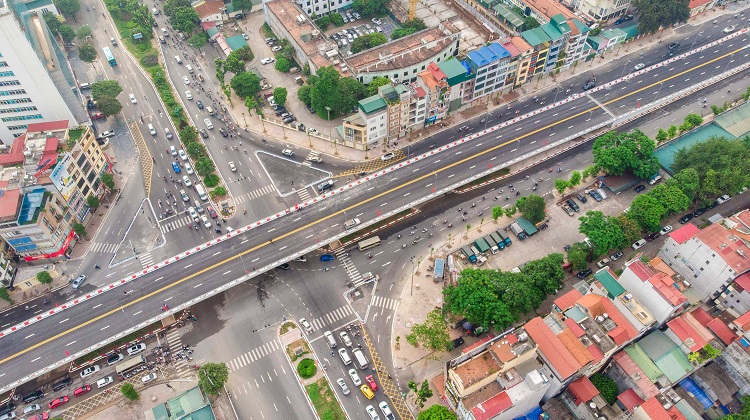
(236, 42)
(372, 104)
(576, 314)
(388, 93)
(596, 41)
(674, 364)
(536, 36)
(614, 33)
(614, 288)
(191, 404)
(656, 344)
(454, 71)
(644, 363)
(527, 226)
(631, 31)
(581, 26)
(508, 15)
(211, 32)
(400, 88)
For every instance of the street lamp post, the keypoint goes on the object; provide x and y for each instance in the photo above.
(413, 268)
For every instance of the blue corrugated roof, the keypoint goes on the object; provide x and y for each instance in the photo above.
(488, 54)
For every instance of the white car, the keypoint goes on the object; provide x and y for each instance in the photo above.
(188, 95)
(148, 378)
(638, 244)
(311, 130)
(355, 377)
(184, 196)
(388, 156)
(666, 229)
(345, 338)
(729, 29)
(208, 123)
(387, 413)
(376, 21)
(306, 325)
(101, 383)
(276, 48)
(267, 60)
(372, 413)
(287, 152)
(246, 36)
(132, 99)
(193, 214)
(206, 222)
(189, 168)
(639, 66)
(182, 154)
(151, 129)
(186, 180)
(232, 167)
(133, 350)
(32, 408)
(186, 80)
(106, 134)
(342, 385)
(90, 371)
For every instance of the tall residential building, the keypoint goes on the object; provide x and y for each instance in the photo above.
(36, 82)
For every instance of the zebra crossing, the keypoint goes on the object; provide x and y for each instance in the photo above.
(175, 344)
(254, 194)
(351, 270)
(175, 224)
(104, 248)
(253, 355)
(386, 303)
(304, 194)
(146, 259)
(331, 317)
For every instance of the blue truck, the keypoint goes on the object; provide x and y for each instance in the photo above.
(469, 254)
(498, 240)
(505, 238)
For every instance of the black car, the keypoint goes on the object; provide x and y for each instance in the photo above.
(61, 384)
(582, 198)
(280, 112)
(673, 46)
(301, 127)
(311, 109)
(698, 212)
(573, 205)
(284, 266)
(589, 85)
(585, 273)
(289, 119)
(223, 132)
(710, 206)
(640, 188)
(7, 408)
(200, 104)
(686, 218)
(651, 236)
(457, 342)
(33, 396)
(204, 133)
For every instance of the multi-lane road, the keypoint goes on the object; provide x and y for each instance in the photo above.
(42, 343)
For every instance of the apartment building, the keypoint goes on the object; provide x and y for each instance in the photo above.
(489, 64)
(598, 10)
(36, 82)
(460, 82)
(288, 21)
(660, 289)
(735, 299)
(323, 7)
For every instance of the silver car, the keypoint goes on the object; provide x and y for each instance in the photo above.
(78, 282)
(342, 385)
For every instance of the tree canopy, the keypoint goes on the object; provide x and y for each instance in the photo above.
(218, 374)
(606, 386)
(578, 255)
(372, 88)
(365, 42)
(184, 19)
(371, 7)
(647, 212)
(432, 334)
(325, 92)
(603, 231)
(409, 27)
(618, 153)
(279, 95)
(69, 8)
(83, 32)
(722, 166)
(437, 412)
(198, 40)
(352, 90)
(532, 208)
(245, 84)
(87, 53)
(105, 94)
(654, 15)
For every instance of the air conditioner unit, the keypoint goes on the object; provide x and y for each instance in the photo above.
(628, 296)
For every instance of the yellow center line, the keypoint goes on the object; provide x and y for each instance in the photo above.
(353, 206)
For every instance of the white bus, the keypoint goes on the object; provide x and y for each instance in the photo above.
(369, 243)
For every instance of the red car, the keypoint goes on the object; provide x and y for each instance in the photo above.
(212, 213)
(97, 116)
(58, 402)
(43, 416)
(371, 382)
(82, 390)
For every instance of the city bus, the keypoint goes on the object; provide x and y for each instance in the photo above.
(109, 56)
(120, 368)
(369, 243)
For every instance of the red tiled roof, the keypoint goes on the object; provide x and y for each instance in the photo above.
(582, 390)
(653, 408)
(743, 321)
(209, 8)
(593, 304)
(646, 387)
(47, 126)
(552, 348)
(722, 331)
(697, 3)
(701, 316)
(575, 347)
(9, 203)
(575, 328)
(641, 270)
(420, 92)
(725, 243)
(492, 407)
(684, 233)
(567, 300)
(742, 282)
(512, 338)
(682, 328)
(595, 353)
(618, 335)
(15, 156)
(624, 330)
(481, 341)
(630, 399)
(436, 72)
(664, 285)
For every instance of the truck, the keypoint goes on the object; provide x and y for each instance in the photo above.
(527, 226)
(469, 254)
(498, 240)
(504, 237)
(439, 268)
(493, 245)
(482, 245)
(518, 231)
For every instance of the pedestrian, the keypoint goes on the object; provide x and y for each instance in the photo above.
(169, 386)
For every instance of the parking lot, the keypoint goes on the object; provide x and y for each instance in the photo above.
(344, 35)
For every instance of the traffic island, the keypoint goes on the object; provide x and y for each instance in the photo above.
(310, 373)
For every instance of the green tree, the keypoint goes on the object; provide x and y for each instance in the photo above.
(199, 40)
(530, 23)
(409, 27)
(53, 23)
(517, 292)
(92, 201)
(245, 84)
(4, 295)
(234, 63)
(661, 136)
(532, 208)
(211, 180)
(306, 368)
(688, 181)
(279, 95)
(744, 413)
(143, 17)
(671, 198)
(218, 192)
(283, 65)
(69, 8)
(630, 229)
(497, 212)
(603, 231)
(109, 106)
(325, 96)
(617, 153)
(432, 334)
(184, 19)
(647, 212)
(44, 277)
(474, 297)
(723, 166)
(365, 42)
(87, 53)
(575, 178)
(336, 19)
(110, 88)
(578, 255)
(561, 185)
(129, 392)
(423, 391)
(204, 166)
(655, 15)
(83, 32)
(323, 22)
(437, 412)
(212, 377)
(108, 180)
(79, 229)
(371, 7)
(188, 134)
(195, 150)
(67, 34)
(606, 386)
(510, 211)
(352, 90)
(242, 5)
(372, 88)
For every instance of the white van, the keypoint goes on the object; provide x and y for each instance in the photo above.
(178, 59)
(351, 223)
(360, 358)
(329, 339)
(654, 180)
(345, 357)
(189, 68)
(201, 192)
